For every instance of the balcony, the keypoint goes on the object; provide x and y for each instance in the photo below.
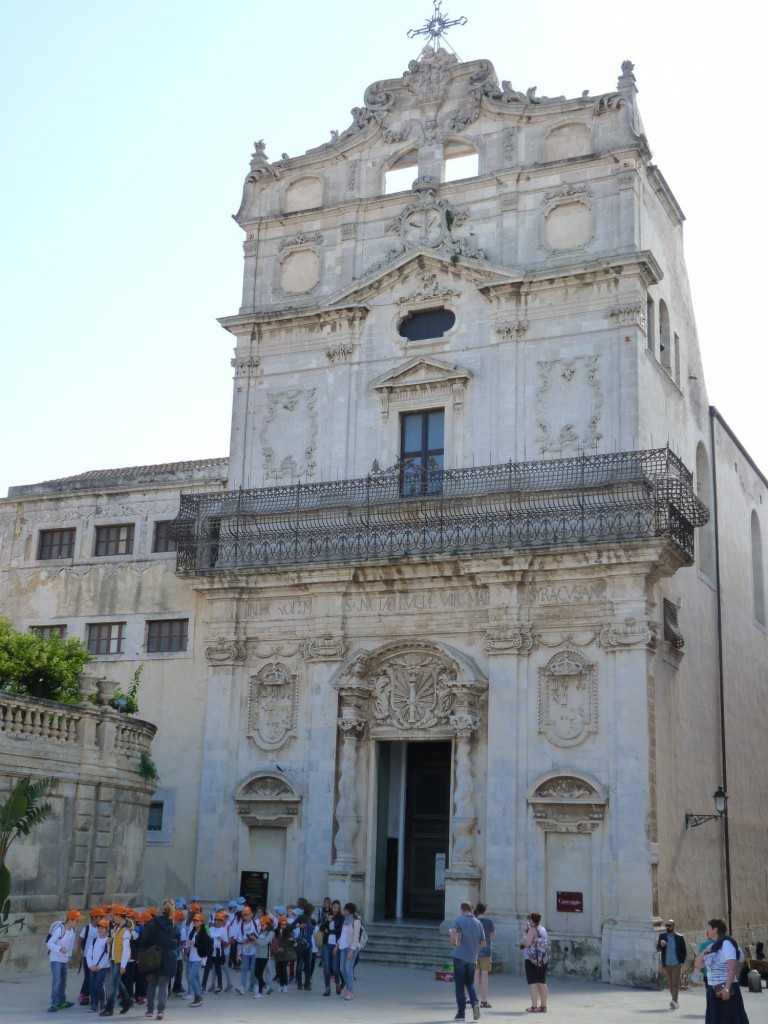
(486, 509)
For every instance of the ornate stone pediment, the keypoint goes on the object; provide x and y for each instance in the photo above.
(566, 802)
(422, 376)
(410, 686)
(267, 799)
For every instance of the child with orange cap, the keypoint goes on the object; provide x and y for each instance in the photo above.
(61, 946)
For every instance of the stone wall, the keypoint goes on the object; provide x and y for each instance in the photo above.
(92, 849)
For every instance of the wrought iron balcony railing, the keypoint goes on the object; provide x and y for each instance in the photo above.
(617, 496)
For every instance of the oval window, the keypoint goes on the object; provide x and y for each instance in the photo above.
(430, 323)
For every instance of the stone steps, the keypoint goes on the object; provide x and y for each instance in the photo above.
(406, 944)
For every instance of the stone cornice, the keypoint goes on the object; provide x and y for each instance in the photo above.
(643, 262)
(307, 317)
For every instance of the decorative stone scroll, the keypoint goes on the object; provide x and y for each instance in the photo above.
(512, 328)
(273, 706)
(567, 699)
(324, 648)
(510, 640)
(288, 434)
(567, 803)
(627, 635)
(225, 652)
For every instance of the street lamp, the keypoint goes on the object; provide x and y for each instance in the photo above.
(692, 820)
(721, 806)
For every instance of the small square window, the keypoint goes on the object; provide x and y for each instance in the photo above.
(106, 638)
(46, 632)
(114, 540)
(163, 540)
(155, 819)
(166, 635)
(56, 544)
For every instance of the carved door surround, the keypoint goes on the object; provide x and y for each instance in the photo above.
(409, 690)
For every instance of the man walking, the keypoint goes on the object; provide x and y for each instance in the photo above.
(467, 937)
(673, 951)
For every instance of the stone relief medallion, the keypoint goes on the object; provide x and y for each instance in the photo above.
(273, 705)
(567, 699)
(410, 691)
(288, 434)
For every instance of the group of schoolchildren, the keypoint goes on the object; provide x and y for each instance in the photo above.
(239, 939)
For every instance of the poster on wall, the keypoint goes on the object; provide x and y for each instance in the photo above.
(254, 886)
(570, 902)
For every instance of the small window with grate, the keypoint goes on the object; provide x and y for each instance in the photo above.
(426, 324)
(671, 629)
(155, 819)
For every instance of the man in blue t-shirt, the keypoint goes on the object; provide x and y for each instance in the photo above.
(467, 938)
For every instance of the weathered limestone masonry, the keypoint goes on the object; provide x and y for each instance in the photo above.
(94, 846)
(457, 617)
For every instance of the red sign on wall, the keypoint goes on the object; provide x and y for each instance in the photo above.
(570, 902)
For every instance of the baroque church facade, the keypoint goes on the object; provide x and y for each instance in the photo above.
(449, 622)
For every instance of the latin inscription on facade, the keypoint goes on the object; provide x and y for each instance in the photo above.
(563, 593)
(422, 601)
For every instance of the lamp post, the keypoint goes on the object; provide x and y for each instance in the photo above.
(693, 820)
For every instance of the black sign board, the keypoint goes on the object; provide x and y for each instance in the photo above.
(254, 885)
(570, 902)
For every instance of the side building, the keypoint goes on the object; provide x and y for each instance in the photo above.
(476, 607)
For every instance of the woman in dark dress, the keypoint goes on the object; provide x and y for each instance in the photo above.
(162, 932)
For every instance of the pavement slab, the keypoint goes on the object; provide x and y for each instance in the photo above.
(383, 995)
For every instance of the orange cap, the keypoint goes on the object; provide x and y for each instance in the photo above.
(102, 923)
(265, 921)
(152, 911)
(74, 915)
(97, 912)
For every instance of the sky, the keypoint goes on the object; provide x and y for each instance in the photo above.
(125, 135)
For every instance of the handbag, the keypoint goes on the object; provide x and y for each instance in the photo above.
(149, 959)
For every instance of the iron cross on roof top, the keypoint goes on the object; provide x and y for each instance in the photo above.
(436, 26)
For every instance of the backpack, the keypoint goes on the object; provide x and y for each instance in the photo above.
(363, 937)
(57, 929)
(539, 951)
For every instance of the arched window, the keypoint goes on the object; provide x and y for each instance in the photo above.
(650, 325)
(705, 536)
(402, 174)
(758, 577)
(665, 338)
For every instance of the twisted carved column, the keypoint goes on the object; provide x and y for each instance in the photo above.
(464, 811)
(346, 805)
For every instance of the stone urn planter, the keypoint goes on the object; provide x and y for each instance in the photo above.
(88, 686)
(107, 689)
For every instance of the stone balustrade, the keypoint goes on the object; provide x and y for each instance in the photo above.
(77, 731)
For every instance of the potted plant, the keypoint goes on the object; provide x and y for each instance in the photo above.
(23, 809)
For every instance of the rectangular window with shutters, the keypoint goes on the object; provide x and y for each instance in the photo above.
(56, 544)
(167, 635)
(106, 638)
(114, 540)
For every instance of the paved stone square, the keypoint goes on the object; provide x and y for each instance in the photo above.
(385, 994)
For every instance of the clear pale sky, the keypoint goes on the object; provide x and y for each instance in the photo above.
(126, 133)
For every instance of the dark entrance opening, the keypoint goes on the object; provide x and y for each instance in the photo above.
(414, 806)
